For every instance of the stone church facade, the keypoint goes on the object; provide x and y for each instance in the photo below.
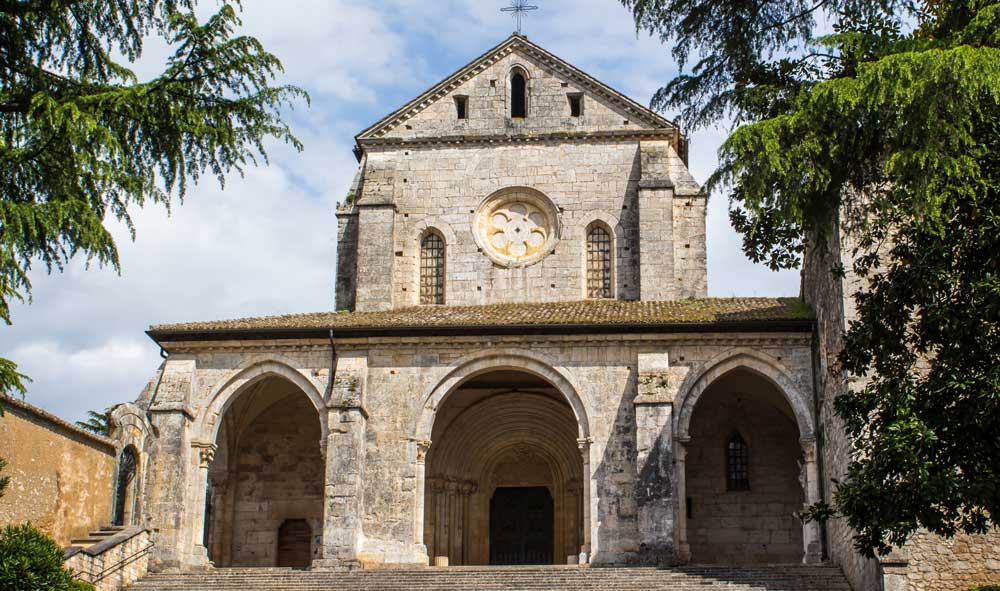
(524, 367)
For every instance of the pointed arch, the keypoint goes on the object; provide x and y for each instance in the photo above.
(476, 364)
(253, 371)
(758, 363)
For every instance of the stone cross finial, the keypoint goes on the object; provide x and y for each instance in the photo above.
(518, 8)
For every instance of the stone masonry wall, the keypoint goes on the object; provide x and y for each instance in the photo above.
(279, 476)
(489, 111)
(61, 476)
(441, 188)
(115, 563)
(927, 562)
(389, 382)
(758, 525)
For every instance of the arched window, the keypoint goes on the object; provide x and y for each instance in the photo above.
(432, 270)
(599, 261)
(128, 468)
(737, 464)
(518, 95)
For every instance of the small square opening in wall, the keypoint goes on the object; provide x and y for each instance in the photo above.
(462, 107)
(576, 105)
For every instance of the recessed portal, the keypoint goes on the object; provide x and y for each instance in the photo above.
(522, 526)
(294, 537)
(265, 486)
(504, 474)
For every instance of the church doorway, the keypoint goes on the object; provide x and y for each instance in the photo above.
(522, 526)
(745, 474)
(265, 484)
(504, 474)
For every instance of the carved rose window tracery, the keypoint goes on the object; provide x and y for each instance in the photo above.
(517, 227)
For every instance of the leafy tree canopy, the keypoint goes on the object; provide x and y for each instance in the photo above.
(882, 116)
(83, 140)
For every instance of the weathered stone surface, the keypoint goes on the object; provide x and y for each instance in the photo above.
(59, 474)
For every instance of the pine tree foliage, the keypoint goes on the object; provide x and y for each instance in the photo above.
(82, 140)
(890, 123)
(98, 423)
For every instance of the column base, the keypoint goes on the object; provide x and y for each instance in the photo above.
(335, 565)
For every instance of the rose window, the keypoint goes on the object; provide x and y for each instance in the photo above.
(516, 227)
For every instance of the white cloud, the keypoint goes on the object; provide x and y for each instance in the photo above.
(265, 245)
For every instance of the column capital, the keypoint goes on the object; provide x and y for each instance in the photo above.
(423, 446)
(206, 452)
(584, 443)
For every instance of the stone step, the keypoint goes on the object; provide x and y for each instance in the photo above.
(698, 578)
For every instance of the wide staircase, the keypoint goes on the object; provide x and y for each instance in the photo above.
(773, 578)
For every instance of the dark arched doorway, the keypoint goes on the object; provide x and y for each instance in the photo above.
(265, 492)
(504, 474)
(744, 469)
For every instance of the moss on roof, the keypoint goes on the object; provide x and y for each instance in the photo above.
(592, 312)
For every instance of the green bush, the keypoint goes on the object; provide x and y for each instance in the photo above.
(31, 561)
(985, 588)
(75, 585)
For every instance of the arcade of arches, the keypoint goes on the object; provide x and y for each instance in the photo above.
(504, 474)
(264, 505)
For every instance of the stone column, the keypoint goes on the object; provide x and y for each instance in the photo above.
(811, 531)
(421, 495)
(680, 460)
(655, 482)
(586, 549)
(344, 491)
(206, 454)
(655, 492)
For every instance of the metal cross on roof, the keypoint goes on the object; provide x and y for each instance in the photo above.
(518, 8)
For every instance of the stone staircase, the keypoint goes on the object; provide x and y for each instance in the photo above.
(772, 578)
(95, 537)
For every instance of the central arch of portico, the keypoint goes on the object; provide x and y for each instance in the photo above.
(505, 465)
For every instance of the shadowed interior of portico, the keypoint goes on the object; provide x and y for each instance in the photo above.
(264, 505)
(504, 474)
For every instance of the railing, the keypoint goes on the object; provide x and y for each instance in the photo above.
(92, 564)
(95, 578)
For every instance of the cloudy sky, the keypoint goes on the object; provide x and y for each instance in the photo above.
(266, 244)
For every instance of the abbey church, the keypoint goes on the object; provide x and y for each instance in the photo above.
(523, 367)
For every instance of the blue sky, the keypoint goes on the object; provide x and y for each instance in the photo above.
(266, 244)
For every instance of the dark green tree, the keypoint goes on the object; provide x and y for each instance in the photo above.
(83, 140)
(887, 128)
(98, 423)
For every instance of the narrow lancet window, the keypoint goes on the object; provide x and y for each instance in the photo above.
(518, 96)
(462, 106)
(432, 270)
(737, 464)
(599, 261)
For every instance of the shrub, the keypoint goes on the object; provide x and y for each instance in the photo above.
(985, 588)
(75, 585)
(31, 561)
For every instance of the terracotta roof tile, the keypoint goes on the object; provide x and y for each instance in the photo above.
(594, 312)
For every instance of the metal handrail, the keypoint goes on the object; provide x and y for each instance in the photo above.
(94, 578)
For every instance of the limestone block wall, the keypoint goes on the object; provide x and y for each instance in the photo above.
(377, 418)
(752, 526)
(936, 564)
(440, 188)
(61, 476)
(488, 95)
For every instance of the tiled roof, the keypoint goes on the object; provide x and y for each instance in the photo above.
(600, 313)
